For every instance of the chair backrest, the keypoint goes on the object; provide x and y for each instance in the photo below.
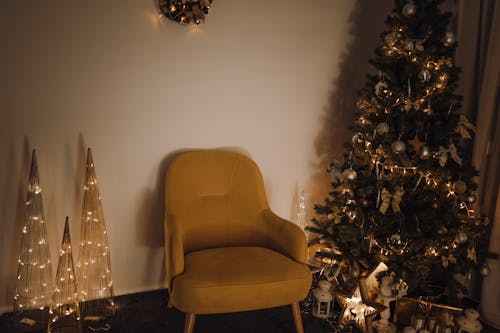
(216, 196)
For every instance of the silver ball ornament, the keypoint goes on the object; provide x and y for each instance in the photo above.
(382, 89)
(461, 237)
(424, 75)
(409, 9)
(425, 152)
(382, 128)
(448, 39)
(356, 139)
(460, 187)
(398, 147)
(349, 174)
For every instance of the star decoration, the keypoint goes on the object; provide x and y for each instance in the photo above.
(358, 311)
(416, 143)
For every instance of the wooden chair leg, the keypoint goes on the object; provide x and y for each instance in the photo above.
(189, 324)
(297, 318)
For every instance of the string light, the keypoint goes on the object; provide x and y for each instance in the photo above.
(94, 278)
(34, 274)
(65, 312)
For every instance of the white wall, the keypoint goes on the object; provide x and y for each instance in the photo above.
(275, 79)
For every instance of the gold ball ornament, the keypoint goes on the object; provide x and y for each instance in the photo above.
(390, 39)
(363, 104)
(364, 202)
(409, 9)
(407, 104)
(471, 199)
(408, 44)
(424, 75)
(461, 237)
(382, 128)
(398, 147)
(442, 230)
(425, 152)
(427, 111)
(448, 39)
(349, 174)
(460, 187)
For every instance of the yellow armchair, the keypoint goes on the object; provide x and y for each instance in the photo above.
(226, 251)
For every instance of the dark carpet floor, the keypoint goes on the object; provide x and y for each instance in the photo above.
(147, 313)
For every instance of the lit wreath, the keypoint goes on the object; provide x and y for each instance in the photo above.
(185, 11)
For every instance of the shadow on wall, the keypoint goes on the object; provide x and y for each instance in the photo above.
(367, 22)
(151, 212)
(16, 205)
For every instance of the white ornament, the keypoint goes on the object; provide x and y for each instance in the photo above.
(383, 325)
(469, 323)
(349, 174)
(398, 147)
(382, 128)
(301, 212)
(323, 300)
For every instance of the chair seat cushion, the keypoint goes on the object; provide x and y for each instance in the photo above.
(232, 279)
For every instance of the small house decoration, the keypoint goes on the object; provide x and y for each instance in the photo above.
(323, 300)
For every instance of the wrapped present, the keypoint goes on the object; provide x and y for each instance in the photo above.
(422, 313)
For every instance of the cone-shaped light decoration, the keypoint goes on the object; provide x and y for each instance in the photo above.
(64, 311)
(94, 265)
(34, 273)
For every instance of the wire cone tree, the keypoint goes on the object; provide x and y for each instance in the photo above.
(34, 273)
(405, 192)
(95, 282)
(64, 311)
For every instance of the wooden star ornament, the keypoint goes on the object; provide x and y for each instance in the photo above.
(416, 143)
(357, 310)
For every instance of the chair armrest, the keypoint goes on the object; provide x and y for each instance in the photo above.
(174, 249)
(285, 236)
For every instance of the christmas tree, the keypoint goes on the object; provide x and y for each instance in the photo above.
(95, 284)
(34, 273)
(405, 192)
(64, 311)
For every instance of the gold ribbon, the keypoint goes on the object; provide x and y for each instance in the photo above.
(464, 127)
(443, 155)
(391, 199)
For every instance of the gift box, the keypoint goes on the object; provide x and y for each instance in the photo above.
(425, 314)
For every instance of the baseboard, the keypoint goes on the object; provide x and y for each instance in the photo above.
(5, 309)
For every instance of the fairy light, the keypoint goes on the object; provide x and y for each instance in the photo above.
(95, 283)
(64, 310)
(34, 274)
